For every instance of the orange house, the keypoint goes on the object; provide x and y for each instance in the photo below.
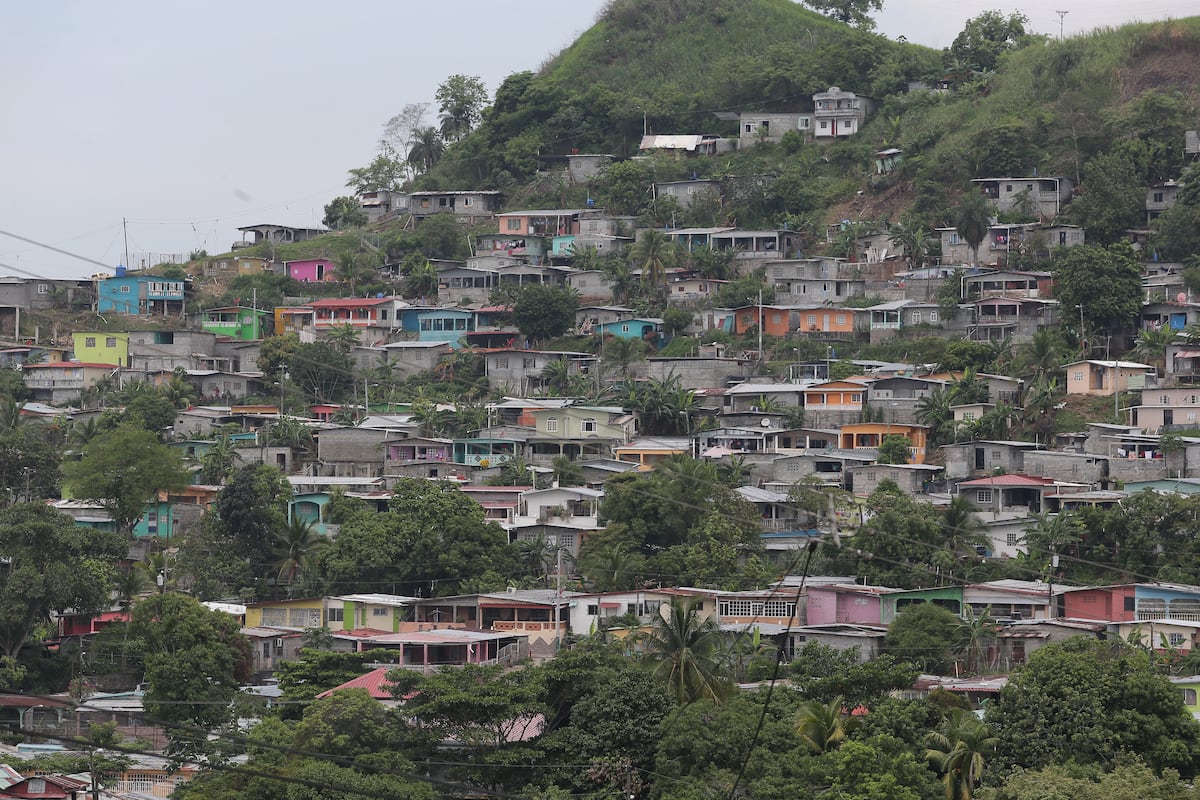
(835, 396)
(784, 320)
(868, 435)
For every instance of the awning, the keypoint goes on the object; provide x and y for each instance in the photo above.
(1187, 354)
(610, 605)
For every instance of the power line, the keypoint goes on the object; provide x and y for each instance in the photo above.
(55, 249)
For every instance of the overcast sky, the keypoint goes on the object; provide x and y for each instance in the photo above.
(192, 122)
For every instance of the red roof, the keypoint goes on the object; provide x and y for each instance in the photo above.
(375, 682)
(1010, 481)
(349, 302)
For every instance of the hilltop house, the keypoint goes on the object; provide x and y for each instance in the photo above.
(237, 322)
(279, 234)
(770, 126)
(464, 205)
(1099, 377)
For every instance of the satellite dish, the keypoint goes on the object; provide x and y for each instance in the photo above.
(766, 423)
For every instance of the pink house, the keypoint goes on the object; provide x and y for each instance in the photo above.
(845, 603)
(310, 270)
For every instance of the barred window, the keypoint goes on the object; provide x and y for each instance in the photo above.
(757, 608)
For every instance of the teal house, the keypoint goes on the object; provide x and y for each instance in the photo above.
(645, 328)
(948, 597)
(237, 322)
(444, 325)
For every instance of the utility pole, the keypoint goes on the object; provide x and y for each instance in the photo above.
(125, 234)
(558, 599)
(1061, 15)
(760, 327)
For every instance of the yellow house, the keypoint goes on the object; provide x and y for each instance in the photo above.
(101, 347)
(302, 613)
(646, 453)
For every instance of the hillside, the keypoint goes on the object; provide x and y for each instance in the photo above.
(1047, 108)
(669, 64)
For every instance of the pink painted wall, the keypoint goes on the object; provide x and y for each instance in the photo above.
(307, 270)
(828, 605)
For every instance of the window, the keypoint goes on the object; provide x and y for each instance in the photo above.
(501, 363)
(916, 318)
(36, 786)
(43, 288)
(110, 341)
(336, 614)
(1130, 603)
(812, 320)
(379, 612)
(466, 201)
(954, 238)
(1158, 198)
(777, 318)
(824, 124)
(90, 341)
(983, 496)
(624, 329)
(588, 425)
(125, 289)
(552, 424)
(1012, 538)
(1175, 639)
(529, 363)
(1078, 376)
(442, 202)
(933, 316)
(512, 224)
(757, 608)
(840, 319)
(593, 609)
(1189, 697)
(749, 127)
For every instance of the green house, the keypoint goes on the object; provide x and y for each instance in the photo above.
(238, 322)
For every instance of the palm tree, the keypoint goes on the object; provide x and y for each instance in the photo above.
(219, 461)
(824, 726)
(958, 751)
(1041, 357)
(10, 414)
(962, 530)
(297, 546)
(344, 337)
(354, 269)
(972, 218)
(686, 652)
(429, 417)
(911, 237)
(83, 431)
(287, 432)
(130, 585)
(622, 281)
(975, 636)
(621, 353)
(425, 149)
(653, 254)
(583, 257)
(611, 568)
(1152, 343)
(422, 281)
(181, 393)
(934, 410)
(556, 376)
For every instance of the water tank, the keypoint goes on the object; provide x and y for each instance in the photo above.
(120, 270)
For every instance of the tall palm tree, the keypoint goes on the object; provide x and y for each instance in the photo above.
(911, 237)
(354, 269)
(972, 218)
(297, 546)
(83, 431)
(130, 584)
(824, 726)
(584, 257)
(653, 254)
(425, 149)
(958, 752)
(622, 282)
(10, 414)
(181, 393)
(430, 418)
(686, 652)
(556, 376)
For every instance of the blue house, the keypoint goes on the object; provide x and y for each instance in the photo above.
(646, 328)
(444, 325)
(138, 295)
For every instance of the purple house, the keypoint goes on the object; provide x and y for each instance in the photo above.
(310, 270)
(845, 603)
